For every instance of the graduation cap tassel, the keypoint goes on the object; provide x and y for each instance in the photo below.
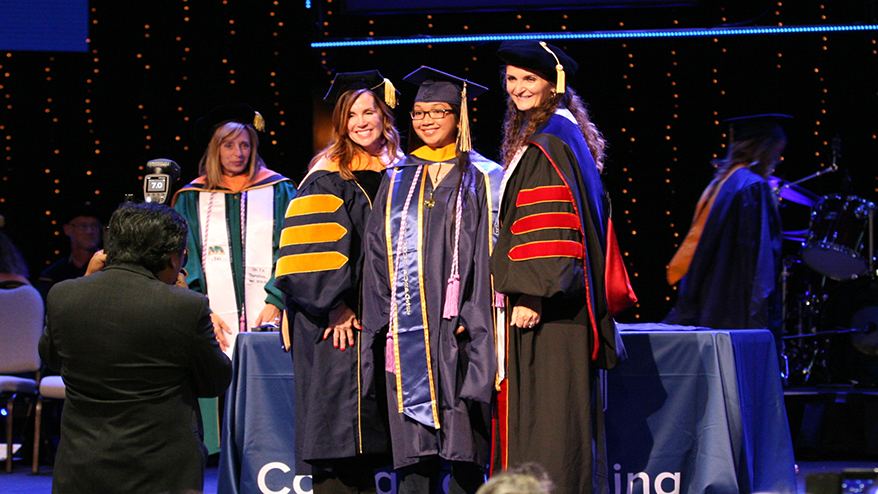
(389, 93)
(258, 122)
(561, 78)
(464, 139)
(452, 289)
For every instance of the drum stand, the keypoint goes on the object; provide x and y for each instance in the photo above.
(806, 351)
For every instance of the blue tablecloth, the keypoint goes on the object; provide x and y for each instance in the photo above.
(689, 412)
(700, 409)
(258, 437)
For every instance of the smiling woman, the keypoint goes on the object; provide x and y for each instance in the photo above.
(365, 124)
(554, 261)
(526, 89)
(427, 293)
(341, 431)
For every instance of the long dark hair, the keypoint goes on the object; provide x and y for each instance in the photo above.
(762, 153)
(517, 127)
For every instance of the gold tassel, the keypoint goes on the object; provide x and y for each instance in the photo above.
(258, 122)
(389, 93)
(464, 139)
(561, 78)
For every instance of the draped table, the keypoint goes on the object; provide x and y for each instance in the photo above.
(690, 411)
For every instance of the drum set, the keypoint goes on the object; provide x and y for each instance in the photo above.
(830, 291)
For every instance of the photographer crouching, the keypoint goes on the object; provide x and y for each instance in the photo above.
(135, 353)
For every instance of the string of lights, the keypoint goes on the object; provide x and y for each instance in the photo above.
(648, 33)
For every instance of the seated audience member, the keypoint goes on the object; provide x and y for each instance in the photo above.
(13, 269)
(135, 353)
(83, 227)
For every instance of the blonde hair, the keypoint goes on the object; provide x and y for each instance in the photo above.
(513, 483)
(210, 165)
(517, 127)
(341, 148)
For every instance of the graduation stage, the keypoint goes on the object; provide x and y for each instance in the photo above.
(690, 411)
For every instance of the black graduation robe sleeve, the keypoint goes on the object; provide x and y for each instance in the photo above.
(543, 254)
(376, 285)
(318, 264)
(476, 313)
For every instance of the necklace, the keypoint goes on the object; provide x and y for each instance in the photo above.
(429, 203)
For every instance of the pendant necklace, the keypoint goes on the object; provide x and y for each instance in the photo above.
(429, 203)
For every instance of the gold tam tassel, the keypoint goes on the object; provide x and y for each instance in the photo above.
(258, 122)
(561, 79)
(389, 93)
(464, 139)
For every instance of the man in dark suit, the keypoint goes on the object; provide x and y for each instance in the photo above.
(135, 353)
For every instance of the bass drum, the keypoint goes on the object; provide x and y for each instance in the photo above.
(852, 357)
(837, 237)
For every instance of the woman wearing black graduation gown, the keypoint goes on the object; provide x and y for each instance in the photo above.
(554, 250)
(340, 418)
(426, 278)
(729, 263)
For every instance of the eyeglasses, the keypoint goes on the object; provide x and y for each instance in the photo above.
(437, 114)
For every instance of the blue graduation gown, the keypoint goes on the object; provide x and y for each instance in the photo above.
(463, 366)
(732, 280)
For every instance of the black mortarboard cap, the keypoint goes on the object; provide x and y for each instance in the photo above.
(369, 79)
(540, 57)
(244, 114)
(435, 86)
(755, 126)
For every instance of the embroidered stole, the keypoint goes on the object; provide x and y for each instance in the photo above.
(416, 393)
(258, 232)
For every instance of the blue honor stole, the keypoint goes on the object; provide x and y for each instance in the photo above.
(415, 390)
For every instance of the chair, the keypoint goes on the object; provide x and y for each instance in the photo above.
(21, 324)
(50, 387)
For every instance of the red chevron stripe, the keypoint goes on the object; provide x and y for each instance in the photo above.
(545, 220)
(541, 250)
(554, 193)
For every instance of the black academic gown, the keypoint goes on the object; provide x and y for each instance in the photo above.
(463, 366)
(338, 414)
(553, 245)
(732, 280)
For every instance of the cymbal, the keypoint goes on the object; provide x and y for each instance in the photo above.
(793, 193)
(795, 235)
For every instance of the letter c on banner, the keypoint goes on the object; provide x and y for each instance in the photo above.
(297, 485)
(260, 479)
